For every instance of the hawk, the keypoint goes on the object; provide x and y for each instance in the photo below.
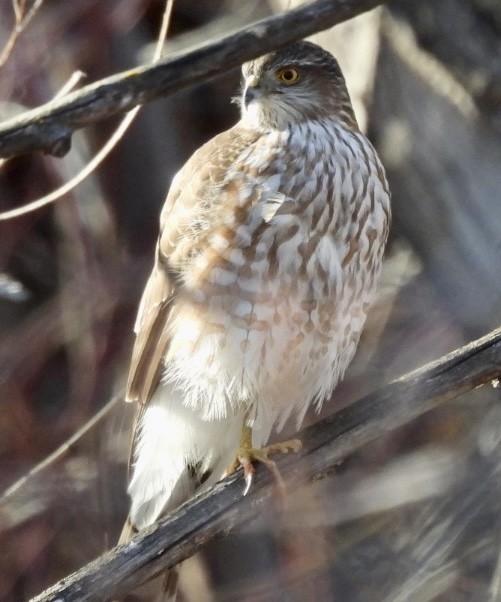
(270, 247)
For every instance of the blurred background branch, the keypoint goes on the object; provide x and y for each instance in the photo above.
(50, 127)
(412, 515)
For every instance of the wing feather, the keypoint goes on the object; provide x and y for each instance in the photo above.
(194, 187)
(151, 335)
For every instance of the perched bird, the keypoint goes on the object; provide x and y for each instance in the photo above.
(270, 247)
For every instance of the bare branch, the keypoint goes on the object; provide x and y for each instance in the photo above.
(21, 21)
(223, 507)
(49, 128)
(61, 451)
(108, 147)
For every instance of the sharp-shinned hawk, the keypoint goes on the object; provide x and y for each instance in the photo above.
(270, 247)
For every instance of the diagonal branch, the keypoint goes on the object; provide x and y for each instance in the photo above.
(49, 128)
(223, 507)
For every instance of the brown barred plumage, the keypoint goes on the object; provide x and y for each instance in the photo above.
(270, 247)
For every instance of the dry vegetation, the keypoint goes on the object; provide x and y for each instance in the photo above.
(414, 515)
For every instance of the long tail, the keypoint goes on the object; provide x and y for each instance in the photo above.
(175, 454)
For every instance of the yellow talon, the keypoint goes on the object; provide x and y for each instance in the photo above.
(247, 455)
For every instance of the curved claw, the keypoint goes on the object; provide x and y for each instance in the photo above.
(248, 482)
(246, 455)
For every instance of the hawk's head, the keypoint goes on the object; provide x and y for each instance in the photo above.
(293, 84)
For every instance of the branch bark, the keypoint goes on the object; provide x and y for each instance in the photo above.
(222, 508)
(49, 128)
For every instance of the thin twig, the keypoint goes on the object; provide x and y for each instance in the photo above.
(73, 81)
(49, 128)
(107, 148)
(61, 451)
(21, 21)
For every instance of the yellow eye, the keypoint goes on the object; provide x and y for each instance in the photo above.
(288, 75)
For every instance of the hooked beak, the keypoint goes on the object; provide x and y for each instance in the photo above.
(252, 91)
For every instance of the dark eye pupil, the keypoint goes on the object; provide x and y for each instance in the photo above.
(289, 75)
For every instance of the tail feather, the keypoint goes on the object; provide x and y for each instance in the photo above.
(176, 453)
(161, 588)
(128, 532)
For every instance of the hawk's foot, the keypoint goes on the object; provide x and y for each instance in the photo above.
(248, 455)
